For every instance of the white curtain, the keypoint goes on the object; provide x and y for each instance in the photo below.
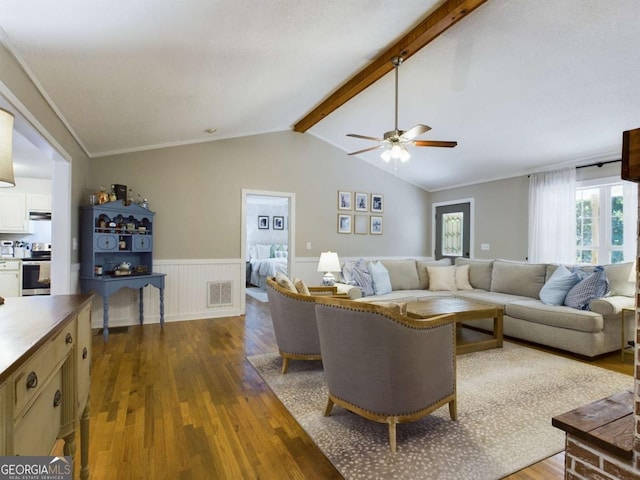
(630, 219)
(552, 217)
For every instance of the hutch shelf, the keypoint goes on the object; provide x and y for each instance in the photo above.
(117, 252)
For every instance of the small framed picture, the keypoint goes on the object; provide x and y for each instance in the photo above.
(278, 223)
(376, 225)
(377, 202)
(344, 223)
(344, 200)
(362, 201)
(360, 224)
(263, 222)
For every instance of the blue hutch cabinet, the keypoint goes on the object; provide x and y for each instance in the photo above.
(114, 236)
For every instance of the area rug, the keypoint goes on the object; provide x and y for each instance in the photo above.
(257, 293)
(506, 399)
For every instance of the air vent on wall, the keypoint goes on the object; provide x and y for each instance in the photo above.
(219, 293)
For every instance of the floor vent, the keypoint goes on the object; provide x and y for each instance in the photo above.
(219, 293)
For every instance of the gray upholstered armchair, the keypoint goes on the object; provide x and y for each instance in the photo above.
(384, 366)
(294, 322)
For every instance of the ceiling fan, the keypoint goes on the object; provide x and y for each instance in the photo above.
(395, 141)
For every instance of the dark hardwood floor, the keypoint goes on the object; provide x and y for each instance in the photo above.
(184, 403)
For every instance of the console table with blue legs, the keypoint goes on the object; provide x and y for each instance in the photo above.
(107, 286)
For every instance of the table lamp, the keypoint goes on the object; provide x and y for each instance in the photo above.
(329, 262)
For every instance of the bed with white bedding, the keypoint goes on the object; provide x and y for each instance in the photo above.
(265, 261)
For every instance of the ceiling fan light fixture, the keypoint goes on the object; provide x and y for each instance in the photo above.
(395, 141)
(404, 155)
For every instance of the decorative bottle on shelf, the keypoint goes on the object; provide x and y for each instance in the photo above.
(102, 196)
(145, 204)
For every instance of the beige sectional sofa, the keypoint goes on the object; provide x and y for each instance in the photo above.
(516, 287)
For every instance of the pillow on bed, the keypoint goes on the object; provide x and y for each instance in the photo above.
(263, 251)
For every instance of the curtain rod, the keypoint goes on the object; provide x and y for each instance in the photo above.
(598, 164)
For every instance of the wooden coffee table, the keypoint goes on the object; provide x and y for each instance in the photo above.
(464, 310)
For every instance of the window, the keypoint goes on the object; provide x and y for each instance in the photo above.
(599, 224)
(452, 234)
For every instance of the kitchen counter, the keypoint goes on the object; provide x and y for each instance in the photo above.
(45, 365)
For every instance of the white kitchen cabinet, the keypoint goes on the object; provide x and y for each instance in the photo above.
(38, 203)
(10, 278)
(13, 213)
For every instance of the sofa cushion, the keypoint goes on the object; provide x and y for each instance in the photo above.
(556, 288)
(479, 272)
(617, 274)
(595, 285)
(558, 316)
(423, 275)
(518, 278)
(403, 274)
(380, 276)
(500, 299)
(442, 278)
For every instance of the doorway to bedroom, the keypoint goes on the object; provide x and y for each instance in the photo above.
(268, 223)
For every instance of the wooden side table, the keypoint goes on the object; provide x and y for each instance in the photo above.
(623, 343)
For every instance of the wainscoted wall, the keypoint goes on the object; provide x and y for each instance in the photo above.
(186, 295)
(187, 288)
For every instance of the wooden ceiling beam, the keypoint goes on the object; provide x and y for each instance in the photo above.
(446, 15)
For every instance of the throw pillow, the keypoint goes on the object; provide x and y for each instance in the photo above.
(361, 277)
(423, 274)
(345, 273)
(462, 278)
(381, 279)
(284, 282)
(263, 251)
(555, 290)
(442, 278)
(394, 307)
(595, 285)
(301, 287)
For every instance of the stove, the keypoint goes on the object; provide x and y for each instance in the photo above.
(36, 270)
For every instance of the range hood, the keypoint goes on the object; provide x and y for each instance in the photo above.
(39, 216)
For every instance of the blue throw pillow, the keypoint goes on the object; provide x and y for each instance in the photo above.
(555, 290)
(595, 285)
(381, 280)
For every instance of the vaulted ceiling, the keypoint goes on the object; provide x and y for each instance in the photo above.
(521, 85)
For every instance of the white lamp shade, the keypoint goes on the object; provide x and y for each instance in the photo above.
(6, 149)
(329, 262)
(632, 273)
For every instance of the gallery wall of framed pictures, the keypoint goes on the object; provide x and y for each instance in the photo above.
(360, 213)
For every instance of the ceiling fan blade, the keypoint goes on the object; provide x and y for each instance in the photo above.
(434, 143)
(415, 131)
(366, 150)
(355, 135)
